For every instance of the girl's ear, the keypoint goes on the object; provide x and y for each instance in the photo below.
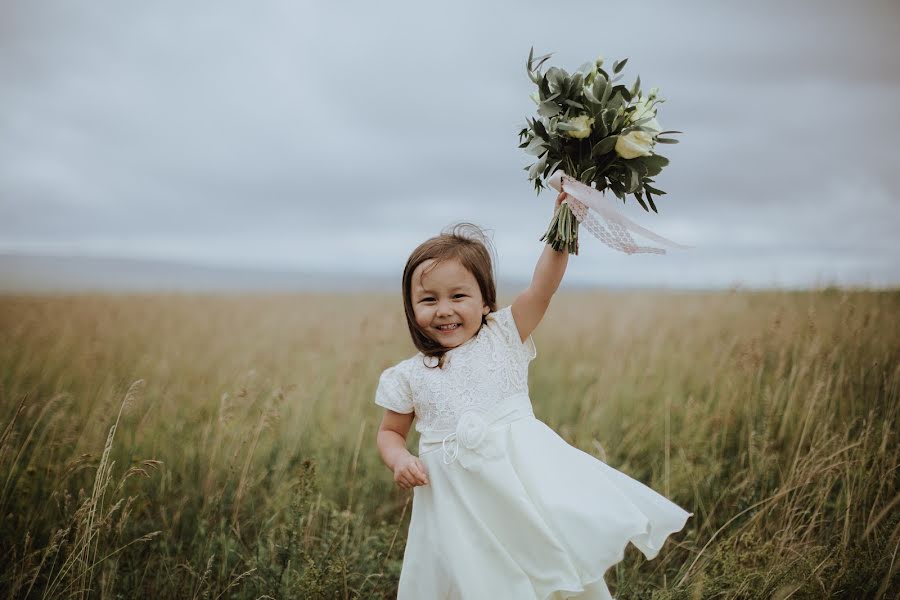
(486, 310)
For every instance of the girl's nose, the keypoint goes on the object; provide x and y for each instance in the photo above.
(444, 309)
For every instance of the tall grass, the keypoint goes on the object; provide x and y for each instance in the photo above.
(224, 447)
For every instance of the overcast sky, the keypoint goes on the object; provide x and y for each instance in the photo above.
(337, 136)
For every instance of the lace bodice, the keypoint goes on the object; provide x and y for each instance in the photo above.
(486, 368)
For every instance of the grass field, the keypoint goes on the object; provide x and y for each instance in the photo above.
(224, 447)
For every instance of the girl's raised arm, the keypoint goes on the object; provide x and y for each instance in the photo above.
(529, 307)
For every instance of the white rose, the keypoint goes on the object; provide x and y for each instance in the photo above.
(583, 123)
(634, 144)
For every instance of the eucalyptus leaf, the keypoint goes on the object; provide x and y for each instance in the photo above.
(556, 78)
(618, 66)
(633, 181)
(576, 83)
(650, 188)
(536, 147)
(555, 166)
(537, 167)
(544, 86)
(641, 201)
(588, 173)
(657, 159)
(599, 87)
(666, 140)
(604, 146)
(607, 91)
(589, 95)
(548, 109)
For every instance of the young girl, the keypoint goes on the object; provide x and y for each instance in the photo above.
(503, 508)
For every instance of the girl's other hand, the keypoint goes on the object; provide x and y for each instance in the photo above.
(410, 472)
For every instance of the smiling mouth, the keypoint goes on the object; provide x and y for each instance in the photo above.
(451, 327)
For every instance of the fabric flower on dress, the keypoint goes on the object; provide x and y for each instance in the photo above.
(470, 442)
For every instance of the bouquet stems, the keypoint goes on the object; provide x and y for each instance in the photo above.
(562, 234)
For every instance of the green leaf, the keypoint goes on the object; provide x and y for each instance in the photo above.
(633, 181)
(650, 200)
(599, 88)
(665, 132)
(536, 147)
(588, 174)
(618, 66)
(636, 88)
(540, 130)
(641, 201)
(666, 140)
(576, 83)
(656, 160)
(537, 167)
(575, 104)
(643, 120)
(548, 109)
(638, 165)
(554, 166)
(557, 78)
(650, 188)
(604, 146)
(544, 86)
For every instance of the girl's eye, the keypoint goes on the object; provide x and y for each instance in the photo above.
(459, 296)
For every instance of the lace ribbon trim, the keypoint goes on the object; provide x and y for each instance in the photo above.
(581, 198)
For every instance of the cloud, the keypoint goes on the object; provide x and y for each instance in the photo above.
(258, 135)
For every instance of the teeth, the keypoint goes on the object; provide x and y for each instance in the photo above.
(448, 327)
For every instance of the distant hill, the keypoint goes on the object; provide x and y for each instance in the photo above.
(31, 273)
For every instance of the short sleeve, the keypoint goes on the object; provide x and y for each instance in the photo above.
(506, 325)
(393, 390)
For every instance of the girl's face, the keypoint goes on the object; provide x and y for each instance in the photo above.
(447, 303)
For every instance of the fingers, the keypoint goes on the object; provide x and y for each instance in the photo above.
(412, 475)
(423, 476)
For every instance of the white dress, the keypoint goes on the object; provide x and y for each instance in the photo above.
(511, 510)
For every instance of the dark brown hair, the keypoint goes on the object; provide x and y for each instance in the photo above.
(466, 243)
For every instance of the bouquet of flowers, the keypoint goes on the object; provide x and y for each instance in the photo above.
(590, 135)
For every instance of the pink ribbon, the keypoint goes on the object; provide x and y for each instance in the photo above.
(581, 198)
